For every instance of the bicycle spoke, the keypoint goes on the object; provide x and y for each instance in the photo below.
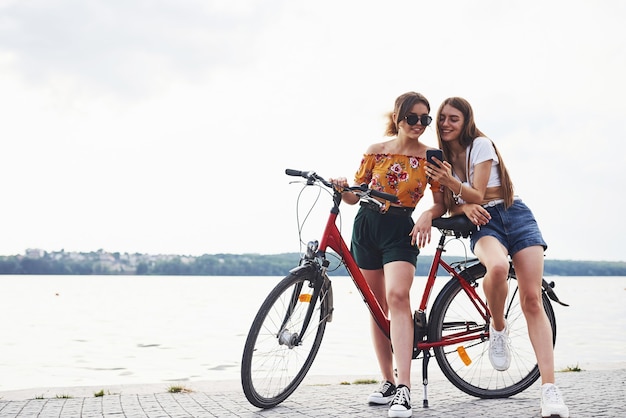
(277, 355)
(452, 309)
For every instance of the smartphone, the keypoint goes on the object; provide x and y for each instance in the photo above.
(437, 153)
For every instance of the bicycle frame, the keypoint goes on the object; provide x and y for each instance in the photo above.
(478, 303)
(332, 238)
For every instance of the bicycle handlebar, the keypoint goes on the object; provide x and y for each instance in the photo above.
(361, 191)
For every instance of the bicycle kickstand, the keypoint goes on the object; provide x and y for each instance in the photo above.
(425, 376)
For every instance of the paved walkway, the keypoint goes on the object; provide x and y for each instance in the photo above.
(595, 393)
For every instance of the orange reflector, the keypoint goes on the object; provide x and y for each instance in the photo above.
(463, 354)
(305, 297)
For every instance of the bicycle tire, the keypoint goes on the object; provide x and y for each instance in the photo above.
(479, 378)
(271, 369)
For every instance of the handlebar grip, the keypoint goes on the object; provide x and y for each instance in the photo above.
(295, 173)
(299, 173)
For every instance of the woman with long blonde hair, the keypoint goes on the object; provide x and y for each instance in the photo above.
(478, 185)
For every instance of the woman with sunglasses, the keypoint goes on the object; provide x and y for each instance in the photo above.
(479, 186)
(385, 243)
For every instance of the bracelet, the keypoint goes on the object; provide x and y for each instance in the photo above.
(458, 196)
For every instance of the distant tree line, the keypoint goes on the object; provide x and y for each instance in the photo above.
(100, 263)
(222, 265)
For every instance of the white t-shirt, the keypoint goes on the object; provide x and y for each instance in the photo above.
(479, 151)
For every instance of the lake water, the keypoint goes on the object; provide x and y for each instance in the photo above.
(61, 331)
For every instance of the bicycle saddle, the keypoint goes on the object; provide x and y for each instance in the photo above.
(459, 224)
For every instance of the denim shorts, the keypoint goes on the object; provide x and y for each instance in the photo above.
(378, 239)
(515, 227)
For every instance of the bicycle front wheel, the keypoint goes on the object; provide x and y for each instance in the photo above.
(453, 311)
(281, 347)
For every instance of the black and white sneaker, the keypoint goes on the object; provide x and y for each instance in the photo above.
(384, 394)
(401, 403)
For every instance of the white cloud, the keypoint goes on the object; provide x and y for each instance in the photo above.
(166, 126)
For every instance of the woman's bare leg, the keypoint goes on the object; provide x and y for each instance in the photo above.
(529, 270)
(494, 256)
(382, 346)
(399, 278)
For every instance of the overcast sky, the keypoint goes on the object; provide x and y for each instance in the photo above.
(166, 126)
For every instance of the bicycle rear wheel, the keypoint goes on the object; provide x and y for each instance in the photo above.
(453, 311)
(278, 351)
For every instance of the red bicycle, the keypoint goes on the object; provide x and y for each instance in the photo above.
(287, 331)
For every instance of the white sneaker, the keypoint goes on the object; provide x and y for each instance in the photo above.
(401, 403)
(384, 394)
(552, 404)
(499, 348)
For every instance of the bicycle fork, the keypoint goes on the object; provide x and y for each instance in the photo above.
(321, 290)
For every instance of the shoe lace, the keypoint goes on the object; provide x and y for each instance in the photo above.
(551, 395)
(499, 341)
(384, 387)
(401, 397)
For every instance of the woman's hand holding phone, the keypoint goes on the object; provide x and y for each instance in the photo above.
(434, 153)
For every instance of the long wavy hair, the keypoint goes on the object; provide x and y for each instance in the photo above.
(468, 134)
(404, 104)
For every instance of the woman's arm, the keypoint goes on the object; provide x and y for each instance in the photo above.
(473, 193)
(475, 213)
(348, 197)
(420, 233)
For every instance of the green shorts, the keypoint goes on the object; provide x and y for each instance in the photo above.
(378, 239)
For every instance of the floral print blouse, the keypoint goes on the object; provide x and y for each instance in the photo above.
(400, 175)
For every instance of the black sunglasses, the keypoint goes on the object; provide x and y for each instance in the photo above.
(412, 119)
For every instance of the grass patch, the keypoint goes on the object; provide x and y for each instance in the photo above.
(178, 389)
(365, 381)
(64, 396)
(101, 393)
(572, 369)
